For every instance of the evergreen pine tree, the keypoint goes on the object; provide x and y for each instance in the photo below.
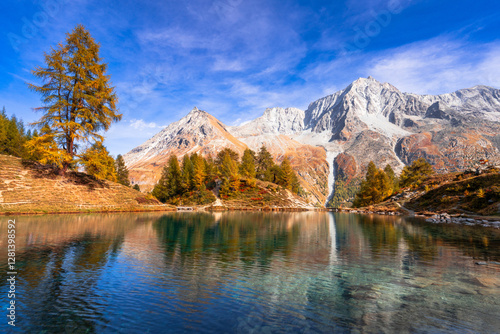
(12, 136)
(199, 173)
(414, 174)
(121, 171)
(285, 177)
(247, 167)
(174, 180)
(78, 99)
(265, 165)
(230, 176)
(210, 169)
(43, 148)
(374, 188)
(187, 174)
(161, 190)
(384, 186)
(296, 188)
(226, 151)
(136, 187)
(171, 182)
(392, 178)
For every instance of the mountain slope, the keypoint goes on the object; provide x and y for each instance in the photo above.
(197, 132)
(367, 120)
(370, 120)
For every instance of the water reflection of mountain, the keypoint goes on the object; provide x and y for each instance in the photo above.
(347, 272)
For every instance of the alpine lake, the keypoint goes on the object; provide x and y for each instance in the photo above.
(251, 272)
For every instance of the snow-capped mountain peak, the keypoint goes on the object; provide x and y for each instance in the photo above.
(340, 133)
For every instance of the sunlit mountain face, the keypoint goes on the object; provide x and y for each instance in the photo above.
(338, 135)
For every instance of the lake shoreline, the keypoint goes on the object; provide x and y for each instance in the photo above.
(31, 213)
(430, 217)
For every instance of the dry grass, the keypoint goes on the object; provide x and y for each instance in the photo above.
(28, 187)
(461, 193)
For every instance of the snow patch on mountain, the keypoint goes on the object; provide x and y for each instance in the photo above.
(273, 121)
(380, 123)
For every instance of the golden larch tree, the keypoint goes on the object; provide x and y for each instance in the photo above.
(78, 99)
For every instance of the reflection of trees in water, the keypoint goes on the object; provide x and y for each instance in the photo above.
(229, 259)
(382, 233)
(60, 260)
(474, 241)
(371, 274)
(252, 238)
(66, 298)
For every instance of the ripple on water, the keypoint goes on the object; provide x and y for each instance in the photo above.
(258, 273)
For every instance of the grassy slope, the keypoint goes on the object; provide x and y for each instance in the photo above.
(453, 193)
(460, 193)
(34, 188)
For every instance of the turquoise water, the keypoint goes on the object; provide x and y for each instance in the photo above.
(250, 272)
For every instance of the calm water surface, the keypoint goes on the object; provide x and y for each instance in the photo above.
(251, 273)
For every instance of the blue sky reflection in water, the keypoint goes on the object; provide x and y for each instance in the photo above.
(267, 272)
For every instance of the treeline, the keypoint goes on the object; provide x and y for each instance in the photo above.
(13, 136)
(196, 175)
(379, 184)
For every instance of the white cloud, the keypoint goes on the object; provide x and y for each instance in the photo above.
(223, 64)
(139, 124)
(179, 38)
(437, 66)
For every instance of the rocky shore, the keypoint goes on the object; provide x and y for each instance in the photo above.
(388, 212)
(448, 219)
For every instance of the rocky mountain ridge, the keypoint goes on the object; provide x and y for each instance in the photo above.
(367, 120)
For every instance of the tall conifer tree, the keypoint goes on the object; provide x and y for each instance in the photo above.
(187, 173)
(78, 99)
(392, 178)
(414, 174)
(265, 165)
(285, 177)
(199, 173)
(247, 167)
(374, 188)
(230, 176)
(121, 171)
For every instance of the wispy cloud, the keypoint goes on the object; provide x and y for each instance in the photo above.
(224, 64)
(438, 66)
(139, 124)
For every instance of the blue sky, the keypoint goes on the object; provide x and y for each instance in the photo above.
(234, 58)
